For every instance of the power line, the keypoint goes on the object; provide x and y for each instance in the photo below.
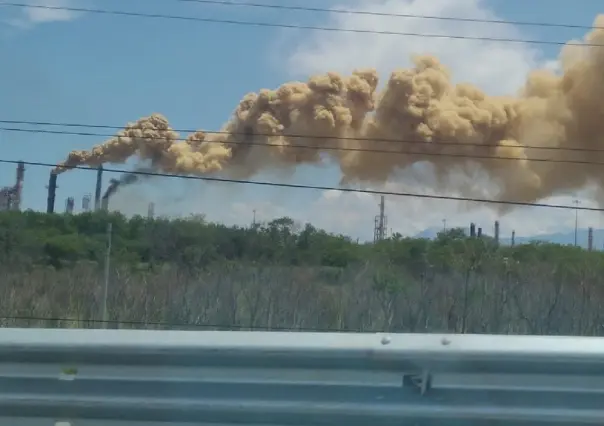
(388, 14)
(292, 26)
(314, 187)
(330, 148)
(290, 136)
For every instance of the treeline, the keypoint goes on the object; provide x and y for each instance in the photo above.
(61, 239)
(187, 272)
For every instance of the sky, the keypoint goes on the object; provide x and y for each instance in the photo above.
(59, 66)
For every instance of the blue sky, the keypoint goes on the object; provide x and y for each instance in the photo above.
(110, 70)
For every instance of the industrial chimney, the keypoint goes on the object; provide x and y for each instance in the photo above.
(98, 188)
(69, 205)
(472, 230)
(52, 191)
(16, 202)
(513, 238)
(590, 239)
(105, 202)
(151, 211)
(86, 203)
(496, 236)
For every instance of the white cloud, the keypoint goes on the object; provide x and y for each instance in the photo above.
(553, 65)
(37, 15)
(348, 213)
(353, 214)
(494, 66)
(409, 216)
(28, 17)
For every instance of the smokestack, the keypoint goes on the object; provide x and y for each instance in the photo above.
(69, 205)
(86, 203)
(114, 184)
(590, 239)
(5, 198)
(16, 202)
(151, 211)
(496, 232)
(513, 238)
(98, 188)
(52, 191)
(472, 230)
(479, 232)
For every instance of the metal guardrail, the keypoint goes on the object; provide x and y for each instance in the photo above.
(117, 377)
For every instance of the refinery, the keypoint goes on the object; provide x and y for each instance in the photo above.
(10, 199)
(10, 196)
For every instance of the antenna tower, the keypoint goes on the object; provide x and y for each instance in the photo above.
(380, 222)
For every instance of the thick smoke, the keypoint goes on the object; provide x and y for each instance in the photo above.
(417, 104)
(125, 179)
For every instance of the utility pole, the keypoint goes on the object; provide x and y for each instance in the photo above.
(576, 203)
(107, 264)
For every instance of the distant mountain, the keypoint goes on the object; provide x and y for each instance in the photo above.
(563, 237)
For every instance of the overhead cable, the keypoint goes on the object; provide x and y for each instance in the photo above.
(288, 135)
(333, 148)
(315, 187)
(293, 26)
(386, 14)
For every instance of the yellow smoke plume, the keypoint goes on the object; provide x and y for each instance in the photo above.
(417, 104)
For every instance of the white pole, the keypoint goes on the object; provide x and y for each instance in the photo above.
(107, 264)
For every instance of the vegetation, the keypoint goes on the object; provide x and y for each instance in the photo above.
(190, 273)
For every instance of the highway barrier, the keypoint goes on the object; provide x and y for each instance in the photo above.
(122, 377)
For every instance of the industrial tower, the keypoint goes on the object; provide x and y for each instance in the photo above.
(380, 223)
(10, 196)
